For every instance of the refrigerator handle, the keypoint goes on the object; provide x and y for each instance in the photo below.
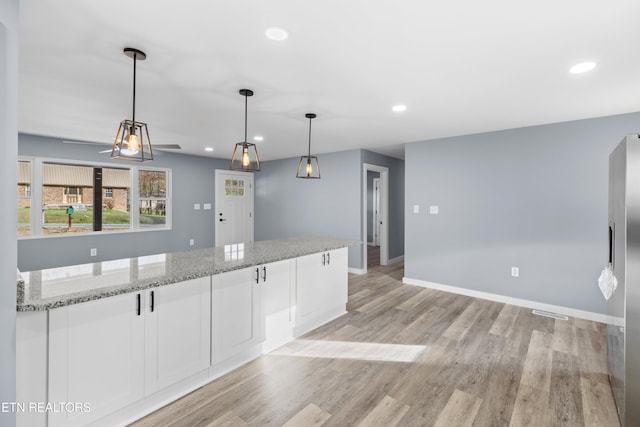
(611, 246)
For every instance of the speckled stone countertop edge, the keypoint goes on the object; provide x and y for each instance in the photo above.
(80, 297)
(220, 265)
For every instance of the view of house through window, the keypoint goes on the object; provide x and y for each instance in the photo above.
(75, 198)
(69, 199)
(152, 190)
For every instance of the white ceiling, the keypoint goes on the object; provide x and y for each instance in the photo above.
(460, 67)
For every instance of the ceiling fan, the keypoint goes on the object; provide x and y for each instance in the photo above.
(155, 146)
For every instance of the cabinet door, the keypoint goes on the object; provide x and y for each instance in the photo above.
(277, 302)
(310, 300)
(177, 332)
(336, 278)
(96, 355)
(235, 313)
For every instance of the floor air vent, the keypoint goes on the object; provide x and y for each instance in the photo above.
(550, 314)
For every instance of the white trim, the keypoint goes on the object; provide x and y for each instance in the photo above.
(572, 312)
(396, 259)
(384, 208)
(376, 209)
(356, 270)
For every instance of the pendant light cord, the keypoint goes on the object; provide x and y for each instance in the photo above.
(245, 118)
(134, 86)
(309, 156)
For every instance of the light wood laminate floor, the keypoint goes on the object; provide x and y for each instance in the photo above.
(409, 356)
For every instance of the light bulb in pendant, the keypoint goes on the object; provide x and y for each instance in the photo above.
(133, 144)
(309, 168)
(245, 157)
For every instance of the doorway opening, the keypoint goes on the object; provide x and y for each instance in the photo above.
(375, 190)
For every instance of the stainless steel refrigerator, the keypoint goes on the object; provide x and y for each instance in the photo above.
(623, 329)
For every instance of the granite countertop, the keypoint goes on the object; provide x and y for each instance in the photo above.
(62, 286)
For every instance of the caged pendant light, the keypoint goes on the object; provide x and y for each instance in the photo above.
(308, 163)
(132, 140)
(244, 151)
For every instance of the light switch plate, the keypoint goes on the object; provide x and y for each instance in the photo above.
(433, 210)
(416, 208)
(196, 206)
(207, 206)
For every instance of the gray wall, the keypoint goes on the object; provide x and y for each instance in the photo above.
(534, 197)
(331, 206)
(396, 198)
(286, 206)
(8, 216)
(192, 182)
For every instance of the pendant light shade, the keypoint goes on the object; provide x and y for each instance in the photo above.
(308, 168)
(245, 155)
(132, 140)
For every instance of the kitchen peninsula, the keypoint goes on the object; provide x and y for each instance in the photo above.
(115, 340)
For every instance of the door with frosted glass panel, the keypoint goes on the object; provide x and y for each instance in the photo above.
(234, 207)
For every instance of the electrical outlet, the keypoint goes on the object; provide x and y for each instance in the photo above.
(94, 252)
(192, 242)
(515, 272)
(433, 210)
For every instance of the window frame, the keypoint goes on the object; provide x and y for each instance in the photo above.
(134, 224)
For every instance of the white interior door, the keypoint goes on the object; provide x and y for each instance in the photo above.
(377, 219)
(234, 207)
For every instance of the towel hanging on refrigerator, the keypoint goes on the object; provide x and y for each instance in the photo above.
(607, 282)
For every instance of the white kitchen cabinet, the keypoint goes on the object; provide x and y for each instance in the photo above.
(277, 294)
(177, 332)
(114, 351)
(235, 316)
(321, 288)
(96, 356)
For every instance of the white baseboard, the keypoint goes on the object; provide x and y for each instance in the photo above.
(572, 312)
(396, 259)
(356, 270)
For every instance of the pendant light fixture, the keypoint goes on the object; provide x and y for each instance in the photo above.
(245, 151)
(308, 163)
(132, 140)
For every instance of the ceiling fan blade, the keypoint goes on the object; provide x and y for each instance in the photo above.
(72, 141)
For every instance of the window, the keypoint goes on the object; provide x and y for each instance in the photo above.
(76, 198)
(234, 187)
(153, 197)
(24, 198)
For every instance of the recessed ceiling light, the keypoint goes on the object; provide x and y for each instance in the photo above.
(208, 149)
(258, 138)
(582, 67)
(276, 33)
(399, 108)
